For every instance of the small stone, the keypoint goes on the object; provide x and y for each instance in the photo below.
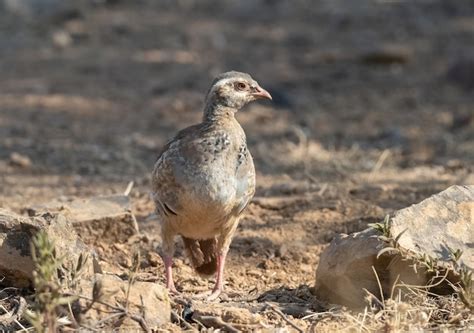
(62, 39)
(229, 314)
(153, 258)
(297, 256)
(19, 160)
(124, 261)
(306, 258)
(265, 264)
(281, 251)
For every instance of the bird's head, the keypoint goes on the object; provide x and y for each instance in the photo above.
(234, 90)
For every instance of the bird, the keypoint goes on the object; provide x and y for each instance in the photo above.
(204, 178)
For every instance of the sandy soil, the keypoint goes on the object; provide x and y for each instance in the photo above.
(372, 112)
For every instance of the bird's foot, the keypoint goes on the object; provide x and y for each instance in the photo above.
(173, 292)
(172, 289)
(208, 295)
(214, 295)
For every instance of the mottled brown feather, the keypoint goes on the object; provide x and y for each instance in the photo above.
(202, 254)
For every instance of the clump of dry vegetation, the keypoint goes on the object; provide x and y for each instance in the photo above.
(50, 301)
(54, 303)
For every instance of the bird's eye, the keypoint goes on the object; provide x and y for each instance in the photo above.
(240, 86)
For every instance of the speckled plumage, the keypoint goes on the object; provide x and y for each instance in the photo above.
(205, 177)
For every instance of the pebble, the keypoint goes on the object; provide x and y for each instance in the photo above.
(20, 160)
(61, 39)
(153, 258)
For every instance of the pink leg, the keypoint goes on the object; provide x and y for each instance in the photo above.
(168, 261)
(219, 277)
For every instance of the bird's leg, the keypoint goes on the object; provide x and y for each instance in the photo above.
(219, 276)
(168, 261)
(167, 236)
(223, 244)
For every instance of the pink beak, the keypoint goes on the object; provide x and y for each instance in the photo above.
(262, 93)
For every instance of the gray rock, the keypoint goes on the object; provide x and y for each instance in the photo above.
(345, 274)
(443, 221)
(16, 233)
(102, 218)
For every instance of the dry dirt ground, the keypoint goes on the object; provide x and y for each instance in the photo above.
(373, 111)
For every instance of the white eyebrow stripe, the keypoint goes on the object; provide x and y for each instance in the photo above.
(220, 83)
(223, 82)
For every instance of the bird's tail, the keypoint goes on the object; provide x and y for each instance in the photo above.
(202, 254)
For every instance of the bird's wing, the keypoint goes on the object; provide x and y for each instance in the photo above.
(185, 153)
(172, 144)
(164, 185)
(245, 178)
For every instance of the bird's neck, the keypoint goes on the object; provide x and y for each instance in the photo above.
(217, 112)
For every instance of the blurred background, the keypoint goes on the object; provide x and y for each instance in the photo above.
(373, 105)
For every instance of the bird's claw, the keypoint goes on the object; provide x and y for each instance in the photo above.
(214, 295)
(209, 296)
(173, 292)
(172, 289)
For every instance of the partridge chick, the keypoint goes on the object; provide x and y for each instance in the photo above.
(205, 177)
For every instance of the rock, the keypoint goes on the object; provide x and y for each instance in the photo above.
(239, 318)
(346, 270)
(153, 259)
(16, 233)
(96, 219)
(443, 221)
(346, 267)
(146, 299)
(20, 160)
(281, 251)
(61, 39)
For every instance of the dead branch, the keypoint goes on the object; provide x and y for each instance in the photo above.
(216, 322)
(284, 317)
(183, 321)
(13, 317)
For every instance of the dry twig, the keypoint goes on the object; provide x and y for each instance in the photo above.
(213, 321)
(284, 317)
(183, 321)
(13, 317)
(128, 189)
